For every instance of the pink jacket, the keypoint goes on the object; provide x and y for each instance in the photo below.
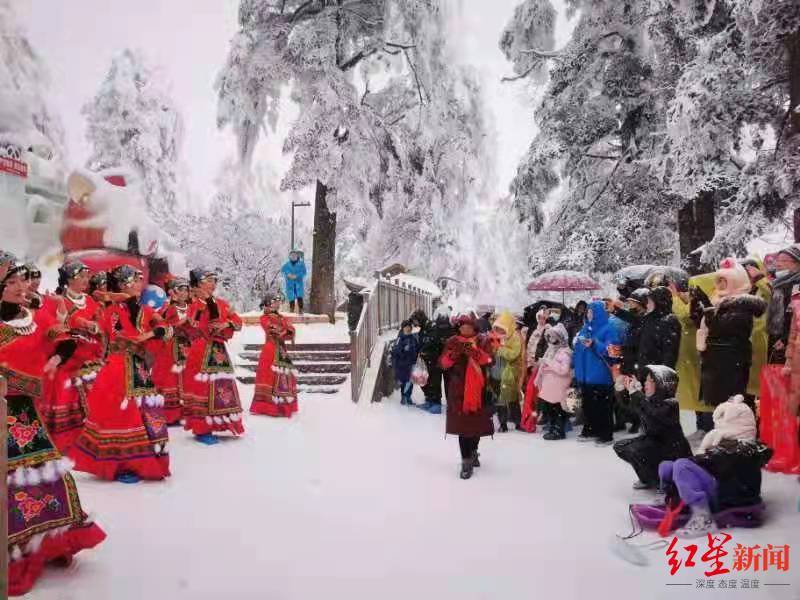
(555, 377)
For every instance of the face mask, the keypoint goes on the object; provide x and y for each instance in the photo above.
(782, 273)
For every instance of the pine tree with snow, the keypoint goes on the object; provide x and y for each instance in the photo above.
(25, 115)
(133, 123)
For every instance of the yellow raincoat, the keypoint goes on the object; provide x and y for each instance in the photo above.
(760, 337)
(514, 359)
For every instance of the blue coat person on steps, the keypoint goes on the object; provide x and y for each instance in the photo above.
(294, 274)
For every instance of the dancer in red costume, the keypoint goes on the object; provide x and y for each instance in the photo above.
(276, 380)
(64, 405)
(171, 359)
(125, 436)
(212, 399)
(45, 520)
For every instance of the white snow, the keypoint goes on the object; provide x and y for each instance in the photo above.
(364, 502)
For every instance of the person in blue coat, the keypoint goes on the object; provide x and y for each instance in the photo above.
(592, 364)
(294, 273)
(404, 357)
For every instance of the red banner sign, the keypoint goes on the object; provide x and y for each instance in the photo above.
(13, 166)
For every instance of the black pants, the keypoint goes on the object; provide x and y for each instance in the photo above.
(623, 411)
(555, 417)
(704, 420)
(433, 389)
(511, 413)
(468, 446)
(598, 411)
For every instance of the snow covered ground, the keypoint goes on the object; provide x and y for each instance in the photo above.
(364, 502)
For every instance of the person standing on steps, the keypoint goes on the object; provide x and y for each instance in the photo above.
(294, 274)
(464, 359)
(432, 337)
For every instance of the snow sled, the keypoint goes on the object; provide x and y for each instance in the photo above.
(650, 516)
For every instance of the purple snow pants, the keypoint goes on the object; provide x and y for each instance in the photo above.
(695, 485)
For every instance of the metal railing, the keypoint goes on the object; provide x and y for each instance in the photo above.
(387, 305)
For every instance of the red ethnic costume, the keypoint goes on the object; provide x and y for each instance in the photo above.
(125, 436)
(45, 520)
(64, 406)
(171, 359)
(276, 380)
(212, 398)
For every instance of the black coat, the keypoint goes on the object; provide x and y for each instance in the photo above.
(726, 361)
(662, 439)
(736, 466)
(630, 347)
(660, 337)
(432, 337)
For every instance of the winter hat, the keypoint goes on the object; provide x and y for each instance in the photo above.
(557, 335)
(640, 296)
(662, 298)
(666, 380)
(735, 276)
(792, 252)
(506, 322)
(466, 319)
(733, 420)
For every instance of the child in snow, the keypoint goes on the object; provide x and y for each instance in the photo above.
(506, 371)
(553, 380)
(725, 475)
(404, 357)
(659, 415)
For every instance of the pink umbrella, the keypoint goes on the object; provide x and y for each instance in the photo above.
(563, 281)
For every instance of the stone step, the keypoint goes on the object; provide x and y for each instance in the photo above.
(341, 368)
(340, 357)
(304, 347)
(304, 380)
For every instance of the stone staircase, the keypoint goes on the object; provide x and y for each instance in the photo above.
(322, 368)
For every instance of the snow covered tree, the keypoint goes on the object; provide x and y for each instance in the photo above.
(132, 122)
(657, 115)
(23, 88)
(384, 127)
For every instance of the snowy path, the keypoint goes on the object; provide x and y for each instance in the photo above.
(364, 502)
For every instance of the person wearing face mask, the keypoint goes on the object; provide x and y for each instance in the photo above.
(125, 436)
(64, 407)
(553, 381)
(659, 413)
(32, 347)
(779, 315)
(723, 338)
(212, 397)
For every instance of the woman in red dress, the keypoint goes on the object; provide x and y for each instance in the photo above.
(212, 399)
(64, 406)
(276, 380)
(171, 359)
(45, 520)
(125, 435)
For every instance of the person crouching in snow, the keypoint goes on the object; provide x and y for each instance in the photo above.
(276, 380)
(659, 415)
(725, 477)
(464, 358)
(553, 381)
(404, 357)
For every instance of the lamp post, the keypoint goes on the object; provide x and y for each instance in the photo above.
(294, 204)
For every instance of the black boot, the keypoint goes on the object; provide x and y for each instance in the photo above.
(502, 416)
(556, 430)
(466, 468)
(475, 459)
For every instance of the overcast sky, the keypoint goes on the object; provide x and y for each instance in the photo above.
(188, 40)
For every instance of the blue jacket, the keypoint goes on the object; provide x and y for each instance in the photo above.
(404, 356)
(592, 364)
(294, 287)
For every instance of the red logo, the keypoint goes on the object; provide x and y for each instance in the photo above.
(13, 166)
(745, 558)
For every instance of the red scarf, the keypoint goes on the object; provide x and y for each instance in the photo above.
(474, 380)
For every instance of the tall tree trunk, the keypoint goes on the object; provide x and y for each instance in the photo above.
(793, 48)
(323, 297)
(797, 225)
(695, 228)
